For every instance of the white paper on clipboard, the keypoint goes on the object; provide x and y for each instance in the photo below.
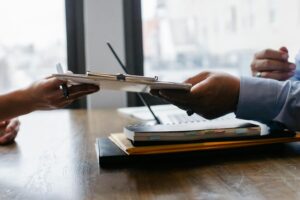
(123, 82)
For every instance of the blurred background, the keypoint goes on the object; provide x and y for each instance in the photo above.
(188, 36)
(176, 38)
(32, 40)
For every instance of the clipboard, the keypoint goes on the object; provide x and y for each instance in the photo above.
(123, 82)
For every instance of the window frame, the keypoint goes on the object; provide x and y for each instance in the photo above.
(134, 54)
(133, 45)
(75, 42)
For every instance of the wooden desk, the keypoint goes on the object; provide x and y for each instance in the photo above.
(54, 158)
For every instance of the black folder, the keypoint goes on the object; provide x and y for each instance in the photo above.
(111, 156)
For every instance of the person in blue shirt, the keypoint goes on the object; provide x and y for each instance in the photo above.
(41, 95)
(268, 97)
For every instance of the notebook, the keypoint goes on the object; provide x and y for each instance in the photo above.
(192, 131)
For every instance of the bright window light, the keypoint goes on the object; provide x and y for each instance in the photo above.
(32, 41)
(182, 38)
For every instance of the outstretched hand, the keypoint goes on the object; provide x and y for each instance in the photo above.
(46, 94)
(41, 95)
(212, 94)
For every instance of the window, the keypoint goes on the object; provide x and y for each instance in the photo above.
(181, 38)
(32, 41)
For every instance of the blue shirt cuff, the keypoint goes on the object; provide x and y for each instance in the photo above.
(260, 99)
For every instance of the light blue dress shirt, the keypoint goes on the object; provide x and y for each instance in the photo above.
(269, 101)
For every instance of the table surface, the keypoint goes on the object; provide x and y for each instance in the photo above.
(54, 158)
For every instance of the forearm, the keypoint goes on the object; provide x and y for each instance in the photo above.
(14, 104)
(270, 101)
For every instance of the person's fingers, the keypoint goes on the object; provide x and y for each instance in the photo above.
(63, 103)
(56, 98)
(278, 75)
(3, 124)
(198, 78)
(4, 139)
(175, 95)
(271, 65)
(79, 94)
(155, 93)
(49, 76)
(83, 88)
(272, 54)
(13, 125)
(199, 88)
(54, 82)
(184, 97)
(184, 105)
(7, 138)
(72, 97)
(284, 49)
(11, 131)
(182, 100)
(13, 135)
(73, 90)
(77, 91)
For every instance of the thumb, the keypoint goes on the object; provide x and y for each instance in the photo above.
(200, 87)
(284, 49)
(285, 52)
(55, 82)
(3, 123)
(198, 78)
(13, 125)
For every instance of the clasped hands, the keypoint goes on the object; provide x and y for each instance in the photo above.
(215, 94)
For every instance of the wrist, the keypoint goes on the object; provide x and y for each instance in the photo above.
(14, 104)
(229, 93)
(236, 92)
(26, 100)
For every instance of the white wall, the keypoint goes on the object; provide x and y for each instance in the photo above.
(104, 22)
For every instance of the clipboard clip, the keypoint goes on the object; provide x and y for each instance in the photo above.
(121, 77)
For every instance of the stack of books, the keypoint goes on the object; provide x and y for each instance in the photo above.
(164, 139)
(127, 146)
